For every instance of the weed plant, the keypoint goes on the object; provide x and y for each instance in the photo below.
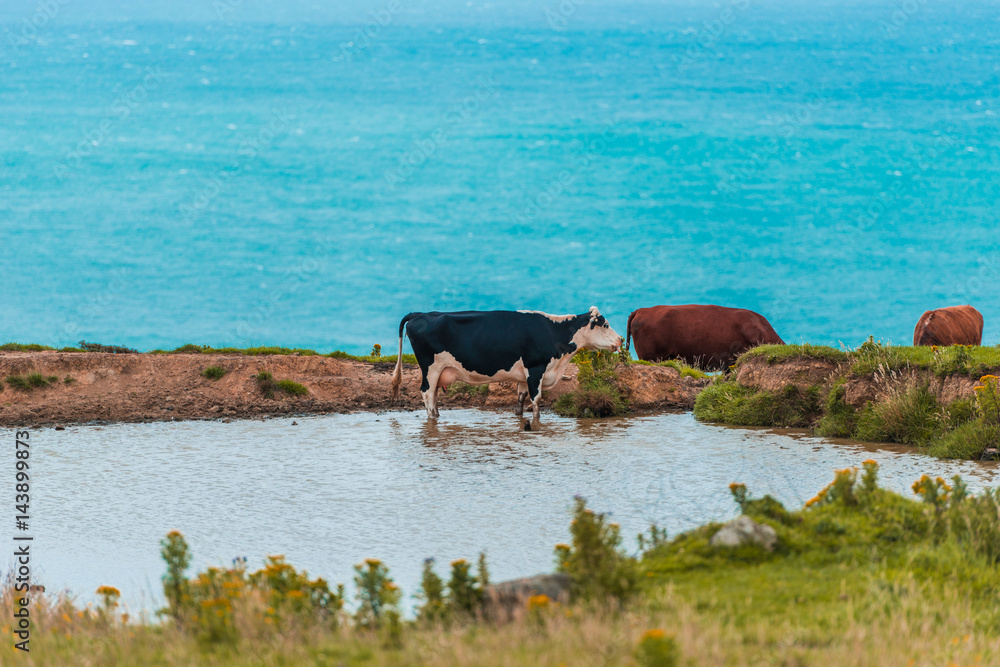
(31, 381)
(214, 372)
(598, 393)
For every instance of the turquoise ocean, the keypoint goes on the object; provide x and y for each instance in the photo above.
(232, 182)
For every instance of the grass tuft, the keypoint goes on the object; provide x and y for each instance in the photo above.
(906, 412)
(732, 403)
(292, 388)
(31, 381)
(839, 419)
(268, 385)
(967, 441)
(265, 382)
(598, 393)
(214, 372)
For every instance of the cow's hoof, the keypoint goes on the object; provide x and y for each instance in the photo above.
(527, 425)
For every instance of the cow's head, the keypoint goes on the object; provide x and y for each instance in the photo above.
(597, 334)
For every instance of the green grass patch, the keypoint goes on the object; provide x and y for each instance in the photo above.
(214, 372)
(873, 355)
(968, 360)
(676, 364)
(269, 386)
(24, 347)
(777, 353)
(69, 380)
(598, 393)
(371, 359)
(466, 389)
(839, 419)
(265, 382)
(191, 348)
(908, 414)
(30, 381)
(967, 441)
(291, 387)
(732, 403)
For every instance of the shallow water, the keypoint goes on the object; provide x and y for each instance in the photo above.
(336, 489)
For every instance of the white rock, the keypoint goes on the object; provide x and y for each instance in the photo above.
(745, 530)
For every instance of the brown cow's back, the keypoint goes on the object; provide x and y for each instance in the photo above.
(706, 335)
(954, 325)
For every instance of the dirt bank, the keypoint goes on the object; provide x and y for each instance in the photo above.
(165, 387)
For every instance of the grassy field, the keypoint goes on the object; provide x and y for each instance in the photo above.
(872, 356)
(905, 407)
(860, 576)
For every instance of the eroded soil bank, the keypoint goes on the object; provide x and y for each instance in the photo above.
(165, 387)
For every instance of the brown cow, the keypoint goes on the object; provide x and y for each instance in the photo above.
(954, 325)
(709, 336)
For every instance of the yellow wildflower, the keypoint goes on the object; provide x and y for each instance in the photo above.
(655, 633)
(538, 601)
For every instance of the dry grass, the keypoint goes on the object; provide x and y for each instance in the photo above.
(905, 624)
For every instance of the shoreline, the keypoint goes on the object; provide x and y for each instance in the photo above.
(96, 387)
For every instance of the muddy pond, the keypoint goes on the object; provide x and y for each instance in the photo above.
(334, 490)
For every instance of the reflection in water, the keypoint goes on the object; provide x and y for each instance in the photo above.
(336, 489)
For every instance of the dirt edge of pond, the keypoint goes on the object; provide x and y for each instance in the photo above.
(170, 387)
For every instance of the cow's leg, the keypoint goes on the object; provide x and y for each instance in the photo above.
(522, 393)
(535, 389)
(430, 393)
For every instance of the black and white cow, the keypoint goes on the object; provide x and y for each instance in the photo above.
(479, 347)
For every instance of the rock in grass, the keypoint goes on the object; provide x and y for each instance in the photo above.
(745, 530)
(502, 599)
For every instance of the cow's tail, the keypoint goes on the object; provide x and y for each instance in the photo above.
(397, 373)
(628, 331)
